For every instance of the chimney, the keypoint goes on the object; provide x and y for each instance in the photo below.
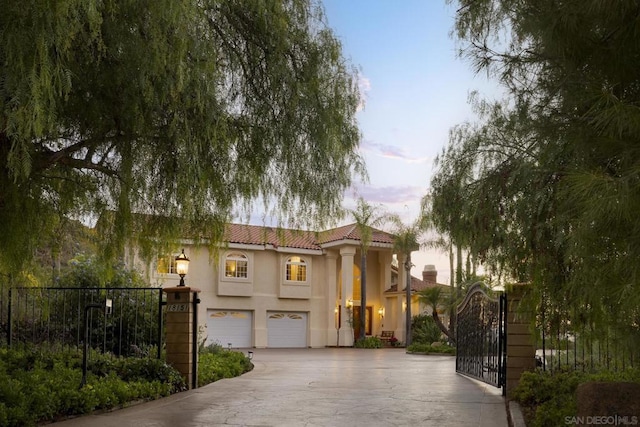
(429, 274)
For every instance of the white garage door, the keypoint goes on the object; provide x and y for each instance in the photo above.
(287, 329)
(229, 326)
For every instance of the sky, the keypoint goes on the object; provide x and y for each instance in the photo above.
(415, 90)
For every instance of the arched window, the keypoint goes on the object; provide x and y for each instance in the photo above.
(236, 265)
(296, 269)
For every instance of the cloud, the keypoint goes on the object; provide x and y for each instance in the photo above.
(391, 152)
(403, 195)
(364, 83)
(364, 86)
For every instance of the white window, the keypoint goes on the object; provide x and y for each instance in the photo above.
(296, 269)
(236, 265)
(166, 264)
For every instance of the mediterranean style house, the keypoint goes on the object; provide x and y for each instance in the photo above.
(288, 288)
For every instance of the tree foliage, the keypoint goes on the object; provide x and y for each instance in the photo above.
(183, 112)
(545, 185)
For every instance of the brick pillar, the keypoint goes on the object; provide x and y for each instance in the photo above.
(181, 332)
(520, 342)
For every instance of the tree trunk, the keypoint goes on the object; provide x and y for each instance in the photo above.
(442, 327)
(407, 267)
(363, 294)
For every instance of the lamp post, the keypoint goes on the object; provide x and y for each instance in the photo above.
(182, 266)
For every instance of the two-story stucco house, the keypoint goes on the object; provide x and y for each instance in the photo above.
(290, 288)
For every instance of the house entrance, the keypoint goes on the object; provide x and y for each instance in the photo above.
(356, 321)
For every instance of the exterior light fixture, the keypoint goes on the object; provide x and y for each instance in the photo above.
(381, 312)
(404, 306)
(349, 303)
(182, 266)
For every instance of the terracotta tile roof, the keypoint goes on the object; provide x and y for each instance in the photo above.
(300, 239)
(278, 237)
(351, 232)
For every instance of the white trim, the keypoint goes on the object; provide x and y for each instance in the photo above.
(270, 247)
(223, 267)
(244, 246)
(352, 242)
(305, 261)
(288, 250)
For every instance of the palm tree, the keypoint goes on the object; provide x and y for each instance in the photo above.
(434, 298)
(405, 242)
(367, 217)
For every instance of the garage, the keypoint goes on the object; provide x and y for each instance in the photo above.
(226, 327)
(287, 330)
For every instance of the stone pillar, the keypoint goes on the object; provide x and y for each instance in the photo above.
(182, 332)
(346, 317)
(332, 289)
(520, 343)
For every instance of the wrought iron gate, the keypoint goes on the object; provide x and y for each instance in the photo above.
(481, 336)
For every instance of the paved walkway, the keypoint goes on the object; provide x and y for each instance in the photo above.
(325, 387)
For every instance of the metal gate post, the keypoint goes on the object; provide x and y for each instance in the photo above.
(194, 340)
(9, 332)
(502, 344)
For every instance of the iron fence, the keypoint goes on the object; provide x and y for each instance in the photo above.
(55, 317)
(569, 339)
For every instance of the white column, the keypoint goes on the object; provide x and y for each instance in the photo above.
(400, 312)
(384, 270)
(332, 289)
(346, 315)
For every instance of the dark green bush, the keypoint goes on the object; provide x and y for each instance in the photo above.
(369, 342)
(428, 348)
(546, 398)
(424, 330)
(214, 365)
(38, 387)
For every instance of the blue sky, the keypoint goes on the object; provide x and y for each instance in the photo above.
(415, 90)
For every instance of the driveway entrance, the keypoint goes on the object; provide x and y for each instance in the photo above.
(326, 387)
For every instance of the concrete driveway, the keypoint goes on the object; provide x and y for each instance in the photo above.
(325, 387)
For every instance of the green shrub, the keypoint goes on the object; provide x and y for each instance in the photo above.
(213, 348)
(369, 342)
(547, 398)
(215, 365)
(424, 330)
(40, 387)
(428, 348)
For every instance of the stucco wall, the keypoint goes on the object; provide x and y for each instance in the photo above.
(265, 290)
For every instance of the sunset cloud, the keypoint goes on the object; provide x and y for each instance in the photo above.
(397, 195)
(392, 152)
